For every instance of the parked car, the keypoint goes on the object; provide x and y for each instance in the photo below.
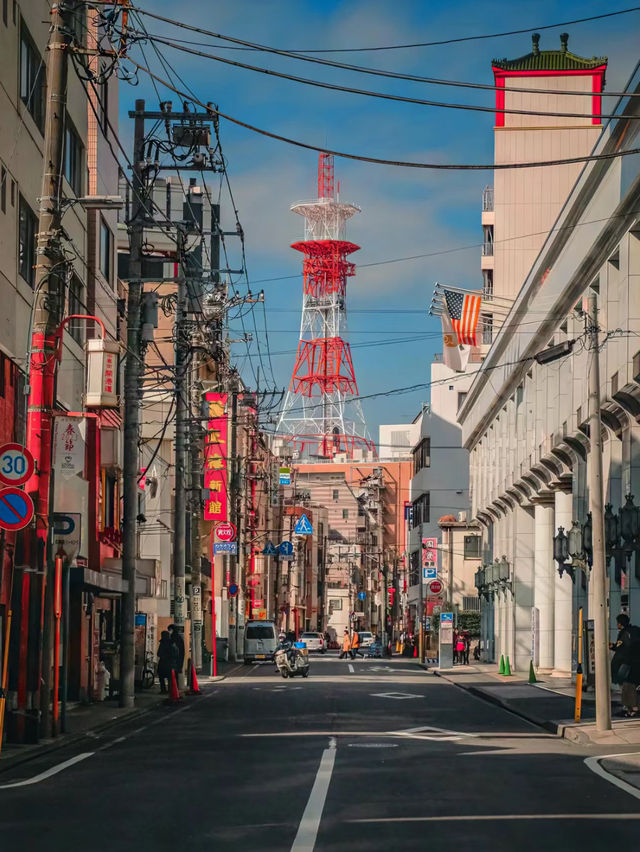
(260, 640)
(314, 642)
(366, 638)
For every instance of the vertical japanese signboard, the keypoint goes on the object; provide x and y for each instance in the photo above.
(216, 458)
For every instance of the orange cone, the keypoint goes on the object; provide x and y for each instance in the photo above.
(415, 650)
(195, 689)
(174, 695)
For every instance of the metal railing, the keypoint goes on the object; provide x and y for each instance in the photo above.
(487, 199)
(487, 249)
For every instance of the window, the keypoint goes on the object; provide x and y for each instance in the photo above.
(103, 100)
(487, 284)
(345, 514)
(27, 230)
(335, 605)
(3, 189)
(106, 250)
(414, 567)
(336, 494)
(470, 603)
(472, 547)
(32, 77)
(73, 158)
(13, 193)
(422, 455)
(487, 328)
(76, 306)
(462, 395)
(3, 361)
(5, 12)
(421, 510)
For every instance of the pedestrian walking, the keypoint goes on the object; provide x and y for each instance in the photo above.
(625, 664)
(178, 641)
(355, 645)
(455, 646)
(466, 636)
(167, 659)
(346, 645)
(459, 649)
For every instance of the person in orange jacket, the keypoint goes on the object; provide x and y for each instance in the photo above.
(346, 645)
(355, 645)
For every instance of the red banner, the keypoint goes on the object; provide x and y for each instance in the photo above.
(215, 459)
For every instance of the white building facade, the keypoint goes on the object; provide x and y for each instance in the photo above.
(525, 423)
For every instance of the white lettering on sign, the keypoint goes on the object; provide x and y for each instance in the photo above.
(179, 602)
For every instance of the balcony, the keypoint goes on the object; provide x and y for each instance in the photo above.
(487, 199)
(487, 248)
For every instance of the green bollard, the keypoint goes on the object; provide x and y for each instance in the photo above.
(501, 666)
(532, 674)
(507, 668)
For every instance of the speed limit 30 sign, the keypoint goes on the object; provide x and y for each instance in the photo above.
(16, 464)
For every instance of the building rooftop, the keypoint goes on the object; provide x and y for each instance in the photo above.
(550, 60)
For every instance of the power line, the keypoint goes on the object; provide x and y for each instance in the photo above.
(373, 94)
(588, 158)
(457, 40)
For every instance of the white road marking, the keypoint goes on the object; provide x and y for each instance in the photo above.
(305, 839)
(399, 696)
(60, 767)
(351, 668)
(594, 765)
(497, 817)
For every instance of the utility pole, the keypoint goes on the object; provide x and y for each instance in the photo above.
(132, 375)
(180, 441)
(49, 294)
(598, 574)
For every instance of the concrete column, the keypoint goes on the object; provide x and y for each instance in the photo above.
(523, 564)
(544, 583)
(563, 604)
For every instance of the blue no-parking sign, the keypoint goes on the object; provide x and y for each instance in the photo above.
(16, 509)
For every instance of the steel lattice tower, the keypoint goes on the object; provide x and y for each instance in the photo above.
(320, 417)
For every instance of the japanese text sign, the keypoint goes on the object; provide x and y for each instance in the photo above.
(215, 458)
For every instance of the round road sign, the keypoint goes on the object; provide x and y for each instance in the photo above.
(16, 509)
(225, 531)
(233, 590)
(435, 587)
(16, 464)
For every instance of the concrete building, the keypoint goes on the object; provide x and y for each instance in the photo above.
(525, 423)
(89, 169)
(440, 481)
(398, 440)
(366, 542)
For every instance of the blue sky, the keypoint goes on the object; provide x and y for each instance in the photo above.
(405, 212)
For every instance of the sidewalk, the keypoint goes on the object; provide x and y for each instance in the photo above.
(548, 703)
(89, 719)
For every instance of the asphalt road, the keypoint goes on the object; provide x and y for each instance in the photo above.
(360, 756)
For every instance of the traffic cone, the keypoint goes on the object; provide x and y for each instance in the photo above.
(195, 689)
(507, 668)
(532, 674)
(501, 666)
(415, 650)
(174, 695)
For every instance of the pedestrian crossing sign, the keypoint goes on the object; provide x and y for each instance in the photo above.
(303, 527)
(269, 549)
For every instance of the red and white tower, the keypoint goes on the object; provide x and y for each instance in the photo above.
(320, 416)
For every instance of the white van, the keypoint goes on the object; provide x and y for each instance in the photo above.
(260, 640)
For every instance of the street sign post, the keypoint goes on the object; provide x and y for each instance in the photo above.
(16, 464)
(67, 529)
(430, 573)
(225, 547)
(303, 526)
(286, 550)
(16, 509)
(225, 531)
(233, 590)
(269, 549)
(435, 587)
(362, 596)
(446, 640)
(285, 476)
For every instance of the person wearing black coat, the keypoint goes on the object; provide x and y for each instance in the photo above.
(625, 664)
(167, 659)
(178, 641)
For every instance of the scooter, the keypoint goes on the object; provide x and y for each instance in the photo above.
(291, 661)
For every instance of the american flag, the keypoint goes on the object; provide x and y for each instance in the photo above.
(464, 310)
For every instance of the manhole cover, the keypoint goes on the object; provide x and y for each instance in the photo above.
(373, 745)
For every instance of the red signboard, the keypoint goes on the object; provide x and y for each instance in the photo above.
(225, 531)
(435, 587)
(215, 459)
(429, 551)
